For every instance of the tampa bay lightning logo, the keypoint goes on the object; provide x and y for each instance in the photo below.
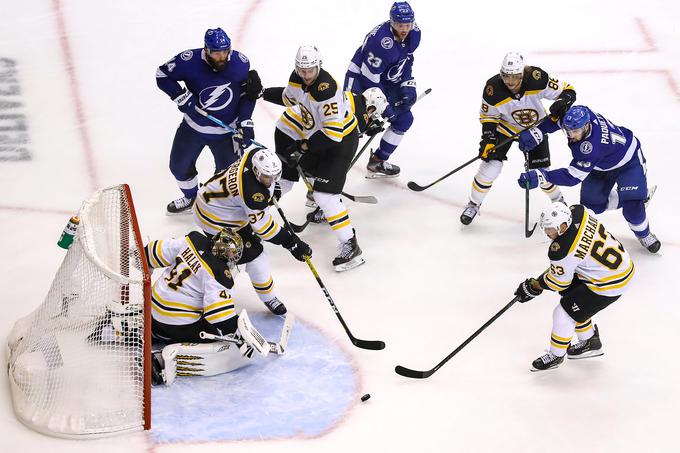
(386, 43)
(395, 72)
(586, 147)
(216, 97)
(186, 55)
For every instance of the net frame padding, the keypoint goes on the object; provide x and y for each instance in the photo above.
(79, 365)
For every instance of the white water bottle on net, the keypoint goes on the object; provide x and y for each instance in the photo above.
(79, 364)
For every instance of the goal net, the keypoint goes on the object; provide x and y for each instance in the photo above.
(79, 364)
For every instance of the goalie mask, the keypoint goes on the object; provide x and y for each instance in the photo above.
(228, 246)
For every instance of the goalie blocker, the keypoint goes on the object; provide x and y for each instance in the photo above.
(227, 353)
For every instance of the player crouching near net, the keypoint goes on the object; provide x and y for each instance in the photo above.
(317, 135)
(589, 268)
(191, 308)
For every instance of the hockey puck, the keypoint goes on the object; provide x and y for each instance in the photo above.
(365, 397)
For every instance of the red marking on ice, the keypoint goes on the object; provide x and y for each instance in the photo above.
(37, 210)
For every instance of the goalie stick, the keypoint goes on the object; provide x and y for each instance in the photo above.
(418, 188)
(415, 374)
(368, 142)
(359, 343)
(274, 348)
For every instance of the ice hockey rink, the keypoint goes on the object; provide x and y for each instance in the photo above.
(94, 117)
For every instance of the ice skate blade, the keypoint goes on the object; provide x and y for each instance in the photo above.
(356, 262)
(586, 355)
(534, 370)
(376, 175)
(172, 214)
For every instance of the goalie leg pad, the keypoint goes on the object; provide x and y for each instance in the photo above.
(201, 359)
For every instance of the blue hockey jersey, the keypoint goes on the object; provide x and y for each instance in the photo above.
(606, 148)
(220, 93)
(382, 61)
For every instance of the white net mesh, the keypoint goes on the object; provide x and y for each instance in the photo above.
(76, 364)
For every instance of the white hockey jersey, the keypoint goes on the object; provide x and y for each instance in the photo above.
(514, 112)
(194, 283)
(322, 106)
(587, 251)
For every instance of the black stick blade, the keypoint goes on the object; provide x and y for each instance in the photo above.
(409, 373)
(528, 233)
(299, 228)
(369, 344)
(415, 187)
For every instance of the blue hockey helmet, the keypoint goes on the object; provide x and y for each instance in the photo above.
(216, 39)
(401, 12)
(576, 117)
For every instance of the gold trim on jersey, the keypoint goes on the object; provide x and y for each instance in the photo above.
(504, 101)
(293, 121)
(205, 266)
(164, 307)
(554, 284)
(220, 309)
(270, 229)
(241, 165)
(156, 254)
(213, 221)
(340, 130)
(295, 85)
(350, 99)
(614, 282)
(532, 92)
(584, 220)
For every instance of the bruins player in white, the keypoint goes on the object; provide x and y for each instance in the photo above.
(511, 102)
(319, 133)
(589, 268)
(192, 296)
(238, 198)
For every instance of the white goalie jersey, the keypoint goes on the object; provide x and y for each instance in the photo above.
(194, 283)
(322, 106)
(514, 112)
(588, 252)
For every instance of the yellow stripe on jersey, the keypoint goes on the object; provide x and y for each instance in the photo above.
(295, 85)
(173, 314)
(555, 284)
(270, 229)
(350, 98)
(205, 266)
(167, 303)
(580, 230)
(218, 304)
(532, 92)
(153, 260)
(241, 166)
(222, 315)
(613, 277)
(622, 280)
(292, 126)
(504, 101)
(159, 248)
(212, 221)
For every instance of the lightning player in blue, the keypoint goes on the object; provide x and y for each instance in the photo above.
(385, 60)
(604, 155)
(218, 80)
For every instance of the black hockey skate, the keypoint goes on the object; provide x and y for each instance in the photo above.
(350, 255)
(381, 169)
(592, 347)
(316, 216)
(651, 243)
(276, 306)
(180, 206)
(469, 213)
(156, 368)
(546, 362)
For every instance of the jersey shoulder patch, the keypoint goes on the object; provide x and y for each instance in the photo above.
(324, 87)
(495, 90)
(535, 78)
(255, 195)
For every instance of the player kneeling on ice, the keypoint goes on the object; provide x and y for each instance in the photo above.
(191, 305)
(589, 268)
(604, 155)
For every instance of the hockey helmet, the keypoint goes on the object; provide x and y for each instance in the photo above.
(402, 13)
(266, 166)
(307, 57)
(376, 98)
(227, 246)
(513, 64)
(555, 215)
(216, 40)
(576, 122)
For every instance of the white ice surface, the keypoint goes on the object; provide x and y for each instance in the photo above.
(427, 283)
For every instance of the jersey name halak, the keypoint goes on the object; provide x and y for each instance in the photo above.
(588, 252)
(514, 112)
(194, 283)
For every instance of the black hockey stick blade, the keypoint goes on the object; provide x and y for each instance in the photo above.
(373, 345)
(299, 228)
(529, 232)
(414, 374)
(415, 187)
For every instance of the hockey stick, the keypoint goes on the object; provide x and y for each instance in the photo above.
(275, 348)
(368, 142)
(418, 188)
(527, 232)
(225, 126)
(407, 372)
(363, 344)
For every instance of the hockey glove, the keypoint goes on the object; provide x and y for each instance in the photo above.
(374, 127)
(559, 108)
(185, 102)
(408, 94)
(525, 291)
(299, 249)
(254, 88)
(530, 139)
(245, 135)
(533, 178)
(297, 152)
(487, 145)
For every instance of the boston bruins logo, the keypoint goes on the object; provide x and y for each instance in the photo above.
(307, 118)
(489, 90)
(525, 117)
